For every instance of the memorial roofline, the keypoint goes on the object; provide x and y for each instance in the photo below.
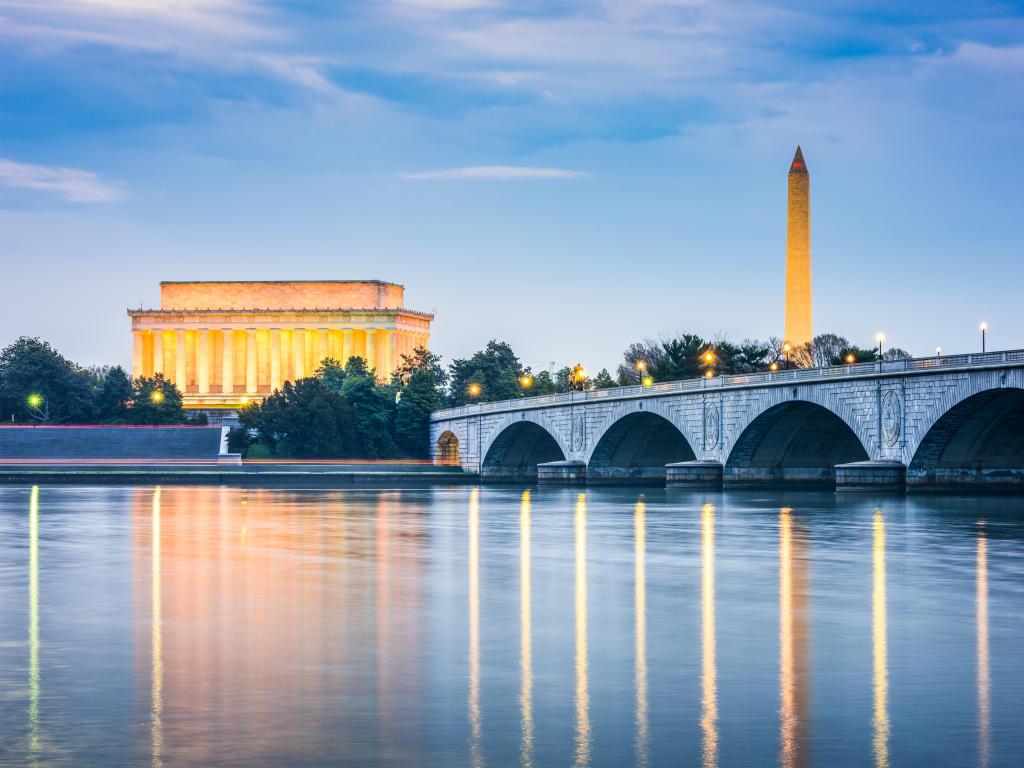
(266, 310)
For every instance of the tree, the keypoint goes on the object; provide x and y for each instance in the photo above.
(114, 396)
(421, 359)
(751, 356)
(895, 353)
(304, 419)
(647, 354)
(372, 411)
(603, 380)
(332, 373)
(155, 400)
(412, 414)
(496, 369)
(543, 384)
(61, 390)
(680, 359)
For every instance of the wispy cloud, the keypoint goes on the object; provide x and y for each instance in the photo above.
(72, 184)
(498, 172)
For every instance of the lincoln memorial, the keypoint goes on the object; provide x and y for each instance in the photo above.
(225, 343)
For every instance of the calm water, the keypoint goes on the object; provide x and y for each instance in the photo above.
(456, 626)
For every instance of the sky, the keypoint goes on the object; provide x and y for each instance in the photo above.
(567, 176)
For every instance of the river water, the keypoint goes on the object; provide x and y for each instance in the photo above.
(502, 626)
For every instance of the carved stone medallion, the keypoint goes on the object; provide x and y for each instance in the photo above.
(891, 418)
(711, 426)
(579, 432)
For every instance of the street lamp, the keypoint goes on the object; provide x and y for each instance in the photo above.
(647, 381)
(157, 396)
(880, 338)
(851, 358)
(938, 351)
(34, 400)
(786, 348)
(984, 327)
(526, 381)
(474, 389)
(641, 365)
(773, 367)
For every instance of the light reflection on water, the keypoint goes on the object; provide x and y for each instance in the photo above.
(496, 626)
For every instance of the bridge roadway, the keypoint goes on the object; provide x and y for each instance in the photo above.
(949, 421)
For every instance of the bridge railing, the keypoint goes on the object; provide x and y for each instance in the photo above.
(854, 370)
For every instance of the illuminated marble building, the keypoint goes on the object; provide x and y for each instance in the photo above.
(224, 343)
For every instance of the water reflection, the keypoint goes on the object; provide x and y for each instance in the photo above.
(879, 645)
(640, 603)
(33, 620)
(525, 635)
(794, 639)
(984, 688)
(582, 693)
(709, 670)
(156, 712)
(475, 738)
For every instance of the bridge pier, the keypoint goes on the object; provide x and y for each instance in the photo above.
(694, 474)
(562, 473)
(871, 476)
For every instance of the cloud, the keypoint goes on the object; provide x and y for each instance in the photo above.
(73, 184)
(499, 172)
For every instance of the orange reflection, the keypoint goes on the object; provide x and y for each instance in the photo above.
(525, 634)
(582, 692)
(879, 647)
(709, 670)
(475, 739)
(33, 620)
(984, 685)
(156, 724)
(794, 639)
(640, 602)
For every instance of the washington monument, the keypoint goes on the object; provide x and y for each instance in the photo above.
(798, 330)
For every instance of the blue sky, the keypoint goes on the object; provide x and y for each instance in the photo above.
(567, 176)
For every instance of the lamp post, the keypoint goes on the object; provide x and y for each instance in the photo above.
(880, 338)
(984, 327)
(526, 381)
(786, 347)
(938, 351)
(474, 392)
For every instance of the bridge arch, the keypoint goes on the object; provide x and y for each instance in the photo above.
(518, 443)
(446, 450)
(636, 447)
(976, 438)
(796, 440)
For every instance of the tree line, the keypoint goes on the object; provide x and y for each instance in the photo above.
(343, 411)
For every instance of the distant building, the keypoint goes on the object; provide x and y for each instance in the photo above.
(798, 329)
(224, 343)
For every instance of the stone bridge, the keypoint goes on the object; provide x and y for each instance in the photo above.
(955, 420)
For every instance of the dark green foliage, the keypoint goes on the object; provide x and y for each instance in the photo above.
(332, 373)
(372, 409)
(421, 359)
(603, 380)
(239, 440)
(114, 395)
(543, 384)
(495, 368)
(32, 367)
(412, 414)
(306, 420)
(156, 401)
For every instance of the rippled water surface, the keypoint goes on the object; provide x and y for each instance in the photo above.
(456, 626)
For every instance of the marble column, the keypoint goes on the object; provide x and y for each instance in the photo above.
(346, 345)
(388, 365)
(321, 346)
(275, 358)
(158, 352)
(180, 363)
(299, 353)
(203, 362)
(250, 361)
(227, 384)
(136, 354)
(371, 351)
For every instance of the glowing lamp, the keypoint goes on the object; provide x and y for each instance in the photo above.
(157, 396)
(526, 381)
(773, 367)
(648, 381)
(984, 326)
(850, 358)
(641, 365)
(35, 401)
(474, 390)
(709, 374)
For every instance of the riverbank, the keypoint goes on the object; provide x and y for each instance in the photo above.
(310, 474)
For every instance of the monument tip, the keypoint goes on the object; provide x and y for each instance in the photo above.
(798, 165)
